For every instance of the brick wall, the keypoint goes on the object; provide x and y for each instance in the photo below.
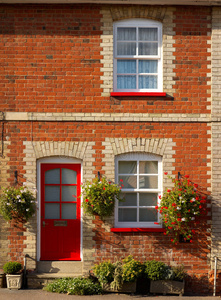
(55, 92)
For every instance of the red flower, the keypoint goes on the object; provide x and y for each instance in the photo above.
(179, 219)
(121, 180)
(191, 241)
(92, 205)
(174, 204)
(166, 207)
(196, 185)
(165, 173)
(86, 200)
(169, 227)
(187, 176)
(156, 223)
(172, 240)
(168, 191)
(122, 185)
(193, 231)
(103, 188)
(159, 197)
(200, 206)
(173, 223)
(156, 207)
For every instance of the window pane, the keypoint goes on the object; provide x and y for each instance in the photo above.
(147, 48)
(52, 211)
(52, 193)
(148, 199)
(126, 66)
(130, 199)
(148, 66)
(69, 176)
(148, 182)
(147, 215)
(148, 34)
(127, 215)
(129, 182)
(68, 211)
(52, 176)
(126, 82)
(148, 167)
(126, 34)
(148, 82)
(69, 193)
(126, 48)
(127, 167)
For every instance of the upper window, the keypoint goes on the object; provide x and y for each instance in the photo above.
(137, 56)
(140, 176)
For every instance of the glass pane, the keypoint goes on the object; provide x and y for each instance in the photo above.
(69, 193)
(147, 34)
(127, 215)
(148, 167)
(149, 199)
(52, 193)
(127, 167)
(69, 176)
(147, 48)
(130, 199)
(126, 82)
(52, 176)
(126, 66)
(148, 82)
(148, 66)
(52, 211)
(126, 34)
(126, 48)
(68, 211)
(147, 215)
(148, 182)
(129, 182)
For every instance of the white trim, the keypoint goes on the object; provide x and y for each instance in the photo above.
(139, 157)
(159, 57)
(54, 160)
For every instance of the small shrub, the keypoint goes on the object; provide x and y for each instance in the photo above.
(104, 272)
(74, 286)
(132, 269)
(12, 267)
(156, 270)
(179, 273)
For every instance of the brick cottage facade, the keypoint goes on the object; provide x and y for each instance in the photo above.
(70, 101)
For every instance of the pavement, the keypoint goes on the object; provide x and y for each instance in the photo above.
(32, 294)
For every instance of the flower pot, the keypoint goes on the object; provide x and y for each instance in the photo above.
(14, 281)
(127, 287)
(167, 287)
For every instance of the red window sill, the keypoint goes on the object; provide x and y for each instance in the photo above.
(115, 94)
(137, 230)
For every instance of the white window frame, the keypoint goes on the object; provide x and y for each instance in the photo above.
(139, 157)
(139, 23)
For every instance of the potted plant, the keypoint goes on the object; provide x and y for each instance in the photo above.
(17, 203)
(14, 275)
(179, 208)
(99, 197)
(120, 276)
(165, 279)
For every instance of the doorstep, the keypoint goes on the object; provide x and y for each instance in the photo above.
(47, 271)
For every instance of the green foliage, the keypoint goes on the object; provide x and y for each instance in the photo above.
(17, 203)
(127, 270)
(179, 273)
(74, 286)
(179, 208)
(156, 270)
(132, 269)
(12, 267)
(99, 197)
(104, 272)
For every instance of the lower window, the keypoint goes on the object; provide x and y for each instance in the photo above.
(141, 181)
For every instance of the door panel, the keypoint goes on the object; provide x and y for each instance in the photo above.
(60, 211)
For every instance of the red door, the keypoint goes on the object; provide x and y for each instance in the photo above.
(60, 211)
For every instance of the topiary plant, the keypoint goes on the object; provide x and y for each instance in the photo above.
(156, 270)
(12, 267)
